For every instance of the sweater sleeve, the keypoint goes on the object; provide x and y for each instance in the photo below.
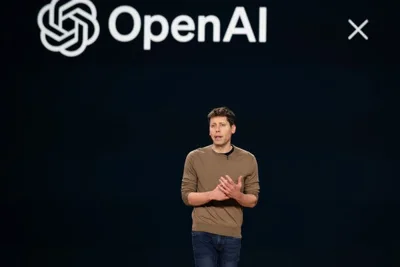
(251, 183)
(189, 180)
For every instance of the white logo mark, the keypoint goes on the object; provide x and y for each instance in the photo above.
(52, 18)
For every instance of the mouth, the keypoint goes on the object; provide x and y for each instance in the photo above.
(218, 137)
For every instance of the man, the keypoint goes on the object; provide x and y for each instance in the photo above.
(219, 180)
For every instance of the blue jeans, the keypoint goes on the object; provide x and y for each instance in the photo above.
(211, 250)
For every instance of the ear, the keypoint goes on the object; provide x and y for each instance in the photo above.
(233, 129)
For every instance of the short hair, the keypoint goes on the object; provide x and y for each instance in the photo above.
(223, 112)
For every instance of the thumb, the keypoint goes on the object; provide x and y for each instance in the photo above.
(240, 180)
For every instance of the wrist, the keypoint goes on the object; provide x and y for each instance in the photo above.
(239, 196)
(210, 195)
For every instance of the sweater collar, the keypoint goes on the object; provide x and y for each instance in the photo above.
(226, 154)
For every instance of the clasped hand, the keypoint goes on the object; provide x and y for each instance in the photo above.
(229, 187)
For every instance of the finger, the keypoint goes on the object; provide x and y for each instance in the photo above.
(223, 190)
(225, 186)
(229, 179)
(224, 181)
(240, 179)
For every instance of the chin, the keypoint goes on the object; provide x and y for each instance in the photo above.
(219, 143)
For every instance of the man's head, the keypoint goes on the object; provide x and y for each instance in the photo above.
(222, 125)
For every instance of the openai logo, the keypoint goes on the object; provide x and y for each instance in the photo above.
(68, 27)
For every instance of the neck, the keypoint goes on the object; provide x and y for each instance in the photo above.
(223, 148)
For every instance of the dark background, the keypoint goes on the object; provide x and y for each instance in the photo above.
(102, 138)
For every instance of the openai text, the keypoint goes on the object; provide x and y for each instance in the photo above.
(182, 27)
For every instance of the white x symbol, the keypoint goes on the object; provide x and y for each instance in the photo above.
(358, 29)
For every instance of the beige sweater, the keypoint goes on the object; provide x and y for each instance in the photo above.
(202, 170)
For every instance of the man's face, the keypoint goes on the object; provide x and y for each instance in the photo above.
(221, 131)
